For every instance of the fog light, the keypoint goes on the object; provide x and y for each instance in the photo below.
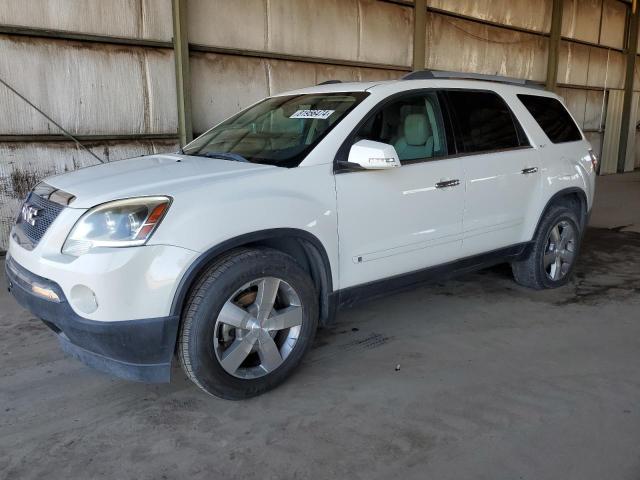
(44, 292)
(84, 299)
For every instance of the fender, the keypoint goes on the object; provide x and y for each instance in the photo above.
(204, 260)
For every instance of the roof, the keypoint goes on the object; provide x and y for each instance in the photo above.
(427, 79)
(336, 87)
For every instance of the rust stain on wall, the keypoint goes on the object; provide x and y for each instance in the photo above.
(22, 181)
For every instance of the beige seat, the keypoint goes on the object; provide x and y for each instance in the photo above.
(417, 138)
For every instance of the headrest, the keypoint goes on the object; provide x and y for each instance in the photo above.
(416, 129)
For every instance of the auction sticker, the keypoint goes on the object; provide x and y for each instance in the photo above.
(320, 114)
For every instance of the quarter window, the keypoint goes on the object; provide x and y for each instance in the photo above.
(485, 122)
(412, 124)
(552, 117)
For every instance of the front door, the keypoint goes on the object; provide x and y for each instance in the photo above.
(400, 220)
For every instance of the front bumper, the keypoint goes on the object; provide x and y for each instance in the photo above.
(139, 350)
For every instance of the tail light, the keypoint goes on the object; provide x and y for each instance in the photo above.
(594, 160)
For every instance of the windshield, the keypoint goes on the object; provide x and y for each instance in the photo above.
(278, 131)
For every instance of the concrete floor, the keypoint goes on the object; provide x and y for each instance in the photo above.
(495, 382)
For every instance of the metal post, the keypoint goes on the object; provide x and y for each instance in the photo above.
(632, 47)
(419, 34)
(183, 78)
(554, 45)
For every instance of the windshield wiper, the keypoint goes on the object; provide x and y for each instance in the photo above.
(222, 155)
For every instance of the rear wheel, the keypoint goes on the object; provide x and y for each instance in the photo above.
(555, 249)
(249, 321)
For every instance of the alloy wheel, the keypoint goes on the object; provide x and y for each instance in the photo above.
(560, 250)
(257, 328)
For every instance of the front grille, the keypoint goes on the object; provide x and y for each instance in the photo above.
(47, 213)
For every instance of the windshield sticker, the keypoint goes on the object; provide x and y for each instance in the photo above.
(320, 114)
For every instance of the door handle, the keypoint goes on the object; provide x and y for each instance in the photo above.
(448, 183)
(528, 170)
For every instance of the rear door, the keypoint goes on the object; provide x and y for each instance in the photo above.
(501, 168)
(396, 221)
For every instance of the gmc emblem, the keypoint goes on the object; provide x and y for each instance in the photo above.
(30, 214)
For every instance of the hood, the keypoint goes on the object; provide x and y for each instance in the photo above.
(151, 175)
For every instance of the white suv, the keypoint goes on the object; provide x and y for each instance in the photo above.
(231, 252)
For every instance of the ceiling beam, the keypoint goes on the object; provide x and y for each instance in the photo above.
(631, 42)
(419, 35)
(554, 45)
(183, 76)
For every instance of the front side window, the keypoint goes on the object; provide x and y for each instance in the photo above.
(552, 117)
(484, 121)
(412, 124)
(278, 131)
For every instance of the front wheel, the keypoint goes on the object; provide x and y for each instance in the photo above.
(555, 249)
(248, 323)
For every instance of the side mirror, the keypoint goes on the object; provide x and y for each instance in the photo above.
(373, 155)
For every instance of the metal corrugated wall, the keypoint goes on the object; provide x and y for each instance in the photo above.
(104, 69)
(346, 34)
(611, 140)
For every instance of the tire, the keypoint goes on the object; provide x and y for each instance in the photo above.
(536, 271)
(230, 326)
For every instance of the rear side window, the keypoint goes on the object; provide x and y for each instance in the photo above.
(552, 117)
(485, 122)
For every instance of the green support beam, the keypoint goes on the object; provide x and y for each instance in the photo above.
(183, 78)
(419, 34)
(631, 48)
(554, 45)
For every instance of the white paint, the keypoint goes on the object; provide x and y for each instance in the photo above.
(368, 227)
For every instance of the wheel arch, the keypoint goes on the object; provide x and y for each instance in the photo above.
(572, 197)
(306, 248)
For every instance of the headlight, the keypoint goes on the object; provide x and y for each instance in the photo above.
(122, 223)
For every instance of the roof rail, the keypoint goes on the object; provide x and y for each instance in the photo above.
(432, 74)
(329, 82)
